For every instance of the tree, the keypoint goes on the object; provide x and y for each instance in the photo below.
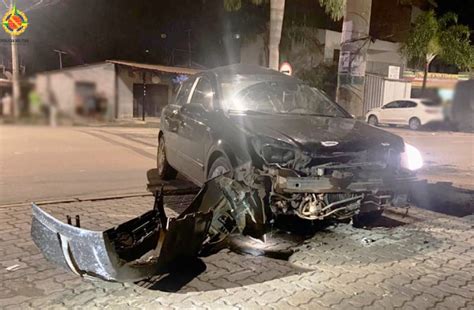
(334, 8)
(442, 37)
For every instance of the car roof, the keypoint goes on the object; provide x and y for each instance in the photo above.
(418, 100)
(228, 72)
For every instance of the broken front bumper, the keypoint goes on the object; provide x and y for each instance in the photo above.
(151, 243)
(132, 251)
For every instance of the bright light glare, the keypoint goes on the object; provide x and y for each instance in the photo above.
(411, 158)
(236, 104)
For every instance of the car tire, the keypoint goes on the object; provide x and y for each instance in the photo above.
(165, 171)
(373, 120)
(414, 123)
(219, 167)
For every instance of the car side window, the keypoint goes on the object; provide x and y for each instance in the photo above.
(402, 104)
(183, 93)
(202, 94)
(392, 105)
(410, 104)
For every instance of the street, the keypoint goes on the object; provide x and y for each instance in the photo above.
(413, 260)
(448, 156)
(40, 163)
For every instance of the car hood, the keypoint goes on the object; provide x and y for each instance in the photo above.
(316, 133)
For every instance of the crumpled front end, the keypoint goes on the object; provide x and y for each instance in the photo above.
(151, 243)
(330, 184)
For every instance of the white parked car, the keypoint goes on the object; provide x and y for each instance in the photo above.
(412, 112)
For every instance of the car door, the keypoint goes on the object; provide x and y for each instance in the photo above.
(389, 113)
(172, 125)
(195, 134)
(407, 110)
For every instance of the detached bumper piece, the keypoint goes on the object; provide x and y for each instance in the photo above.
(151, 243)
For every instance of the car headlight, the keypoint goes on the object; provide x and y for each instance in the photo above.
(411, 159)
(277, 155)
(273, 151)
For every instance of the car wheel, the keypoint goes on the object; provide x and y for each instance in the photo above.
(373, 120)
(414, 123)
(219, 167)
(165, 171)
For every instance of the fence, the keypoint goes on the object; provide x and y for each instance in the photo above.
(380, 90)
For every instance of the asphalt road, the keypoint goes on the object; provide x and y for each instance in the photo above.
(448, 156)
(41, 163)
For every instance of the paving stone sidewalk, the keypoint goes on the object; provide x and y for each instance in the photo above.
(425, 264)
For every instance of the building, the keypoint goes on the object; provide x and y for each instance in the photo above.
(380, 54)
(112, 89)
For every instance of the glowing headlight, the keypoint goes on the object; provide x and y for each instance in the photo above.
(411, 158)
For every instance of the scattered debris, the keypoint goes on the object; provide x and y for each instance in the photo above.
(367, 241)
(13, 267)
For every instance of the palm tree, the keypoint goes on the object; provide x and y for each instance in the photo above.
(335, 8)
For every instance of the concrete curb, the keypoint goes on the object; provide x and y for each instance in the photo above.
(77, 199)
(168, 190)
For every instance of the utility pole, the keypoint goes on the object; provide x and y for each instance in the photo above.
(60, 54)
(355, 42)
(144, 96)
(15, 79)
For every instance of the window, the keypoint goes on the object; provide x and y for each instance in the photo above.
(409, 104)
(203, 94)
(183, 92)
(335, 56)
(393, 105)
(279, 97)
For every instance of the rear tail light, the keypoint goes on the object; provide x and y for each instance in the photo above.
(430, 111)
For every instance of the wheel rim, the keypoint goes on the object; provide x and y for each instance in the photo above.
(219, 170)
(414, 124)
(372, 120)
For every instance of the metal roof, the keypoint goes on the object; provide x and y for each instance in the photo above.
(161, 68)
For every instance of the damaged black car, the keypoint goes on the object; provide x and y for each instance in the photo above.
(278, 135)
(262, 146)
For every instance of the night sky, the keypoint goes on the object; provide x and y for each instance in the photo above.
(464, 9)
(92, 31)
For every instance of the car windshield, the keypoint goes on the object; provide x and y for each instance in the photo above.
(277, 97)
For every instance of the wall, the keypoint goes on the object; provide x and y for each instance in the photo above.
(331, 40)
(379, 91)
(59, 86)
(394, 90)
(62, 86)
(126, 77)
